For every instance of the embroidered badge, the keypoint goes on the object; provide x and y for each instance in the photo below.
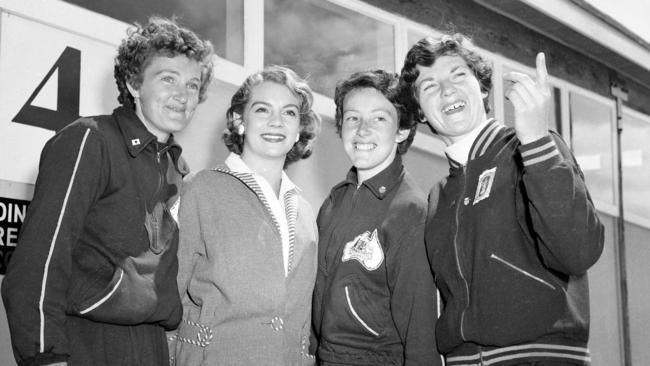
(135, 142)
(484, 185)
(366, 249)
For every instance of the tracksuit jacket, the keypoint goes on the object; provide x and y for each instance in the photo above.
(510, 237)
(93, 278)
(374, 301)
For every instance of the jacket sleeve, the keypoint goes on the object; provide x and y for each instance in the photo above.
(317, 299)
(565, 224)
(413, 297)
(34, 290)
(189, 245)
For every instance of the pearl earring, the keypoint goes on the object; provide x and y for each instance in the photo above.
(241, 129)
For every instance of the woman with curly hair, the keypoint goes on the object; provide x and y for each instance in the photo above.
(247, 258)
(93, 278)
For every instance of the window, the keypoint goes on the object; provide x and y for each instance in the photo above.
(635, 155)
(222, 22)
(325, 42)
(592, 144)
(413, 36)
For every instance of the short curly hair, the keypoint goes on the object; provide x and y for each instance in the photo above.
(387, 84)
(159, 37)
(425, 53)
(310, 122)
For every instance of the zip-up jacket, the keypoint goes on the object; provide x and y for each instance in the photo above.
(510, 237)
(240, 307)
(374, 301)
(93, 278)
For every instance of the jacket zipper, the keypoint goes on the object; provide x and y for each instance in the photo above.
(525, 273)
(356, 316)
(460, 271)
(162, 173)
(161, 182)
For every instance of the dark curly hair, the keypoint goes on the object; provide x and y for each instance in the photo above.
(387, 84)
(309, 120)
(159, 37)
(425, 53)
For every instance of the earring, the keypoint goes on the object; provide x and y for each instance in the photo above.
(297, 137)
(422, 118)
(241, 129)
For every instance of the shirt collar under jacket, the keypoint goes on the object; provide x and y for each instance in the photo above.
(474, 145)
(383, 182)
(459, 151)
(235, 163)
(137, 137)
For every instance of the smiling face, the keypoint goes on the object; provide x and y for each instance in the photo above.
(168, 95)
(370, 131)
(271, 120)
(450, 97)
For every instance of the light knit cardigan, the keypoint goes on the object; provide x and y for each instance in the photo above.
(238, 306)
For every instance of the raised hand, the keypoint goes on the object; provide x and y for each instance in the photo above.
(532, 102)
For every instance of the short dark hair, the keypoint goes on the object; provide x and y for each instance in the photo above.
(387, 83)
(309, 120)
(159, 37)
(425, 53)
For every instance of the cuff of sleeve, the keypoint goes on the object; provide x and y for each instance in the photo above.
(539, 151)
(43, 359)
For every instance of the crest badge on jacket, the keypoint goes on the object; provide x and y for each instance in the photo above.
(484, 187)
(365, 249)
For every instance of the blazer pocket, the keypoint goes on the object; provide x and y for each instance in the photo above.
(352, 307)
(521, 271)
(85, 306)
(129, 298)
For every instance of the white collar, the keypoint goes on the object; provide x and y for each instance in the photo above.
(236, 164)
(459, 150)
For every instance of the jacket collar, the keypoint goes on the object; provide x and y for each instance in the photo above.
(491, 132)
(382, 183)
(137, 138)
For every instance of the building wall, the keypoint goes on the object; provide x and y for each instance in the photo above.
(501, 35)
(328, 165)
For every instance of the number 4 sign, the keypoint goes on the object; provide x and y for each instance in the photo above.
(66, 69)
(48, 78)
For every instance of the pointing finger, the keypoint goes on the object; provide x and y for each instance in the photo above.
(542, 73)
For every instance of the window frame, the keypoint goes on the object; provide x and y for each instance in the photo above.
(632, 217)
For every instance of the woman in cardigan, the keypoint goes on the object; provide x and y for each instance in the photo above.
(247, 252)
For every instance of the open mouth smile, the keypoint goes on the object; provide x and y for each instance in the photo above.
(364, 147)
(273, 137)
(454, 107)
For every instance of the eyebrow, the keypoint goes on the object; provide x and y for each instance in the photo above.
(384, 110)
(255, 102)
(172, 71)
(431, 78)
(459, 67)
(418, 83)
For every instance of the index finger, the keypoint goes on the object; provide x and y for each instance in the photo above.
(542, 73)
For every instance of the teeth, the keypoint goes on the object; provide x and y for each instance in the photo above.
(364, 147)
(273, 138)
(454, 106)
